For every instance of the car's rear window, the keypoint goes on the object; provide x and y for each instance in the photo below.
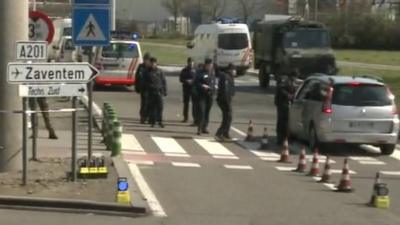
(120, 50)
(361, 95)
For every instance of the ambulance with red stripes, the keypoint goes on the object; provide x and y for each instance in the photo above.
(117, 63)
(225, 41)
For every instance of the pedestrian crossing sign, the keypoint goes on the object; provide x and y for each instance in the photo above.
(91, 26)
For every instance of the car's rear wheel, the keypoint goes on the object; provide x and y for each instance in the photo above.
(387, 149)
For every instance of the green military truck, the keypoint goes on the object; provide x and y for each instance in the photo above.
(285, 45)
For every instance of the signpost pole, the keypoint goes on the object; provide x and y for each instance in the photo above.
(24, 142)
(35, 125)
(74, 143)
(90, 109)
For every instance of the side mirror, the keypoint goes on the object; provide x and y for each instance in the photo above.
(189, 45)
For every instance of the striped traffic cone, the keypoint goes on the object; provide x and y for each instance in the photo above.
(314, 171)
(250, 131)
(326, 177)
(345, 182)
(302, 165)
(285, 153)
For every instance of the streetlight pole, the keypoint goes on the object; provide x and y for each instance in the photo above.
(316, 10)
(14, 26)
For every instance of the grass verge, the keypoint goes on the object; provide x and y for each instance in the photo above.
(369, 56)
(166, 55)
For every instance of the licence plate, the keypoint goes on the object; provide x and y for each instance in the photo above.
(363, 124)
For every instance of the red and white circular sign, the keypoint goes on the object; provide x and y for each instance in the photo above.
(41, 27)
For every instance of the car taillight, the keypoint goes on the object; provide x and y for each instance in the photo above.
(391, 97)
(327, 105)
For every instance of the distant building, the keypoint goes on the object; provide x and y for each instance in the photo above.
(390, 8)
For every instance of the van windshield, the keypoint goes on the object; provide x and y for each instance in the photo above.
(233, 41)
(120, 50)
(306, 38)
(361, 95)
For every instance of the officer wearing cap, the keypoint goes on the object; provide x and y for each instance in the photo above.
(283, 98)
(186, 77)
(140, 87)
(225, 93)
(205, 87)
(156, 86)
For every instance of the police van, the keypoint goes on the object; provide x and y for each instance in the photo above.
(117, 63)
(225, 41)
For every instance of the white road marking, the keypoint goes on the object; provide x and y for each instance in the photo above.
(217, 150)
(330, 186)
(366, 160)
(241, 133)
(184, 164)
(372, 162)
(321, 159)
(140, 162)
(170, 147)
(238, 167)
(390, 173)
(396, 154)
(285, 169)
(340, 171)
(131, 144)
(154, 204)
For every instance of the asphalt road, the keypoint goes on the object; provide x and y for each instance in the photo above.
(190, 179)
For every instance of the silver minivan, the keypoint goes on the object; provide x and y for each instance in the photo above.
(346, 110)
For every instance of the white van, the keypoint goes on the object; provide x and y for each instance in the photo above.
(225, 43)
(62, 28)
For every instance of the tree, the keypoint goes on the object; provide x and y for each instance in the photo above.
(174, 7)
(214, 8)
(249, 7)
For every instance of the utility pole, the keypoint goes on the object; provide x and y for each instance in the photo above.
(316, 10)
(14, 27)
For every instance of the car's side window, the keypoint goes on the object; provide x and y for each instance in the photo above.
(304, 89)
(314, 93)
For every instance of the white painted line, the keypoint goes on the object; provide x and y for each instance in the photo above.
(363, 158)
(238, 167)
(286, 169)
(396, 154)
(217, 150)
(270, 159)
(321, 159)
(265, 154)
(340, 171)
(330, 186)
(154, 204)
(170, 146)
(225, 157)
(241, 133)
(131, 144)
(371, 149)
(390, 173)
(140, 162)
(183, 164)
(372, 162)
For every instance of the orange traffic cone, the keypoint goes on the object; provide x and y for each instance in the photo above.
(285, 153)
(314, 171)
(250, 132)
(302, 165)
(264, 140)
(326, 177)
(345, 182)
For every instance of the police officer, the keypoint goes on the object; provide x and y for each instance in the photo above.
(225, 93)
(44, 107)
(140, 87)
(283, 98)
(205, 88)
(157, 88)
(187, 78)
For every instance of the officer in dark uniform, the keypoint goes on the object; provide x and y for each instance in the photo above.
(187, 78)
(225, 93)
(205, 88)
(140, 87)
(157, 89)
(283, 98)
(44, 107)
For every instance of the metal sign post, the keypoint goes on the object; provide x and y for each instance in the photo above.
(74, 142)
(24, 142)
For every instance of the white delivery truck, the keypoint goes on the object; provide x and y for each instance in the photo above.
(225, 43)
(62, 28)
